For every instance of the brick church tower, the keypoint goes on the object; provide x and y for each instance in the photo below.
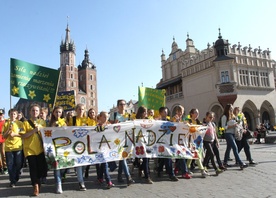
(81, 79)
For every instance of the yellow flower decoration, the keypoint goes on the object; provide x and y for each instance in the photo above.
(15, 90)
(126, 115)
(66, 153)
(60, 122)
(133, 116)
(150, 117)
(117, 141)
(32, 94)
(46, 97)
(188, 117)
(168, 118)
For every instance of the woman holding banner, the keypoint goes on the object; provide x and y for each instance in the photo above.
(57, 120)
(79, 120)
(33, 147)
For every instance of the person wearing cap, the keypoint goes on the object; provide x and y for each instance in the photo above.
(3, 165)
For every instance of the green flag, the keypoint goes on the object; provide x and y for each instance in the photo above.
(151, 98)
(30, 81)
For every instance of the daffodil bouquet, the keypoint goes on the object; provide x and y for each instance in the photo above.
(60, 122)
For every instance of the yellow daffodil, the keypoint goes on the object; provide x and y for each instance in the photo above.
(66, 153)
(133, 116)
(126, 115)
(60, 122)
(188, 117)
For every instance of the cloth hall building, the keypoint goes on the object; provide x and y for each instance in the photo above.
(220, 74)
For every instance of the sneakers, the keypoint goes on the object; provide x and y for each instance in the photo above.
(218, 171)
(222, 168)
(176, 171)
(190, 172)
(186, 176)
(173, 178)
(12, 185)
(130, 181)
(100, 181)
(59, 189)
(5, 171)
(204, 174)
(227, 165)
(82, 187)
(148, 181)
(242, 166)
(252, 162)
(110, 185)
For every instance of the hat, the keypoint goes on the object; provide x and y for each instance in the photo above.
(2, 111)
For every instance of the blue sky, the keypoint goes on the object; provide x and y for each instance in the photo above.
(125, 38)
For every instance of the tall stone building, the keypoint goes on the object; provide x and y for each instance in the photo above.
(81, 79)
(220, 74)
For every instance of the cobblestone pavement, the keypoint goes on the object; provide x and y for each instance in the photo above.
(254, 181)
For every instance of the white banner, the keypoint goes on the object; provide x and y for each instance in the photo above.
(78, 146)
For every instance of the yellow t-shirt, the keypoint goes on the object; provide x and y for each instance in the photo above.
(91, 122)
(79, 121)
(13, 143)
(33, 145)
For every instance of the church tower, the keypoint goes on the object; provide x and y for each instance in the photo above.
(69, 73)
(82, 79)
(88, 82)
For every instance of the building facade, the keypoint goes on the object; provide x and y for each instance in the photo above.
(220, 74)
(82, 79)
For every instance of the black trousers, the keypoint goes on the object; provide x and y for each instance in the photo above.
(37, 167)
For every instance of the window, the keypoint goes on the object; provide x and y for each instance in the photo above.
(92, 95)
(72, 84)
(82, 100)
(80, 77)
(92, 103)
(243, 74)
(224, 77)
(91, 77)
(91, 87)
(254, 77)
(174, 56)
(264, 79)
(72, 76)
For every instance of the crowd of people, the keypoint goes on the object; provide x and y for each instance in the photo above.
(21, 143)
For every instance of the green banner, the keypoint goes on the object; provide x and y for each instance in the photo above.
(34, 82)
(151, 98)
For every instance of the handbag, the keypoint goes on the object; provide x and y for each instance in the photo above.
(248, 134)
(238, 133)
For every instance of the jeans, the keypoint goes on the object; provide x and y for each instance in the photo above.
(102, 169)
(145, 166)
(181, 165)
(123, 167)
(79, 171)
(168, 165)
(209, 154)
(14, 163)
(243, 144)
(231, 144)
(58, 175)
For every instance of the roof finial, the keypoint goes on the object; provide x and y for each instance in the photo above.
(219, 34)
(187, 35)
(173, 39)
